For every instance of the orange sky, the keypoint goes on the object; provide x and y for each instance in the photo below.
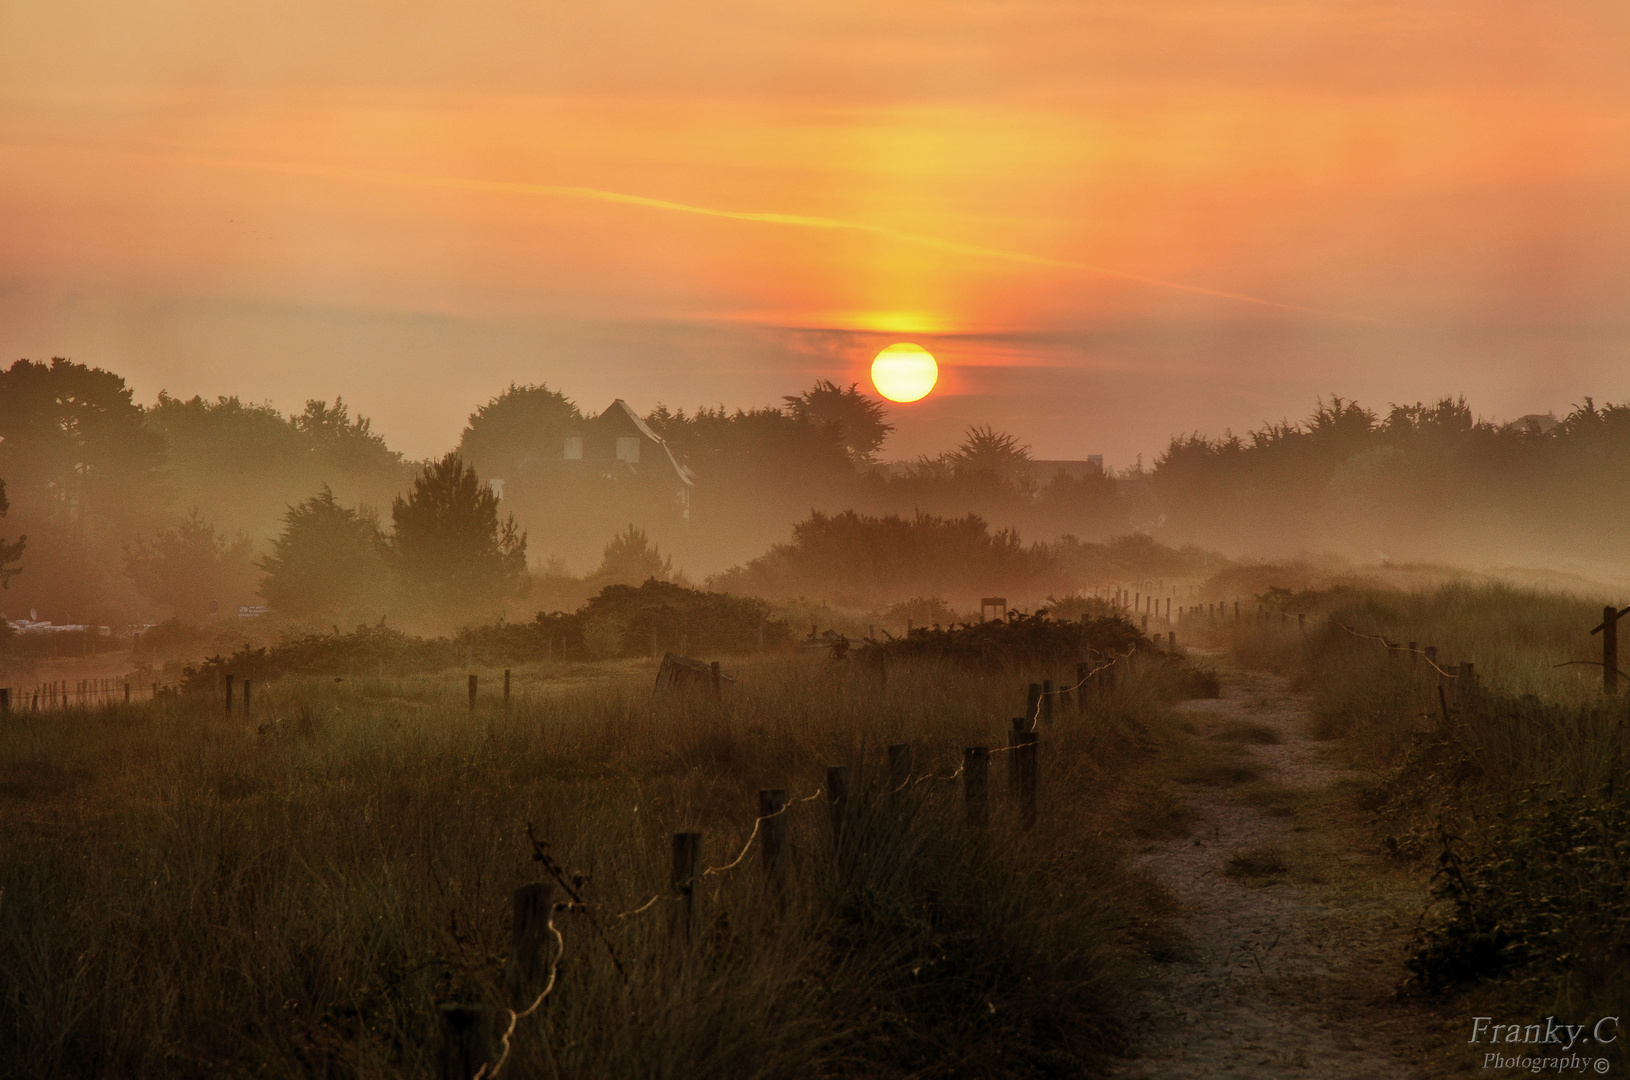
(412, 205)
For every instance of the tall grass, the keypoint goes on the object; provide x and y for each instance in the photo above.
(184, 894)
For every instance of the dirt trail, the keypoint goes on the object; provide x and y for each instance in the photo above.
(1292, 970)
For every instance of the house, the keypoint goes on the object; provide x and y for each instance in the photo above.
(618, 446)
(1042, 472)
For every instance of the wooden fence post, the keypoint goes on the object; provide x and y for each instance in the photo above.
(837, 802)
(1610, 650)
(687, 856)
(1171, 642)
(1047, 702)
(229, 695)
(466, 1047)
(1026, 754)
(506, 693)
(899, 767)
(773, 829)
(5, 701)
(976, 784)
(472, 693)
(527, 972)
(1032, 704)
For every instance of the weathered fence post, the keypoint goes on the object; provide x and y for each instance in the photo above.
(837, 802)
(976, 784)
(899, 766)
(1047, 702)
(771, 804)
(1171, 642)
(527, 972)
(506, 693)
(5, 701)
(687, 856)
(1081, 675)
(1610, 648)
(472, 693)
(466, 1047)
(1026, 754)
(229, 695)
(1032, 704)
(246, 685)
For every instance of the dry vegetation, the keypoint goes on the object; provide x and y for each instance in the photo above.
(1512, 797)
(186, 894)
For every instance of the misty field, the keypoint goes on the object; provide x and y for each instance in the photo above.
(185, 893)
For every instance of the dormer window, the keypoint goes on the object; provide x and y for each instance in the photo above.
(574, 448)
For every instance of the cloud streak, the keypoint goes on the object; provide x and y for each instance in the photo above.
(391, 178)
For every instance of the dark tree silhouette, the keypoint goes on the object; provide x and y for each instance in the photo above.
(858, 418)
(988, 452)
(517, 430)
(451, 550)
(9, 552)
(73, 444)
(328, 559)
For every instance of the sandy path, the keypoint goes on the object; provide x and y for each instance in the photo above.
(1290, 975)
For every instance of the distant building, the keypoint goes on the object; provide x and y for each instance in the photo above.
(1043, 471)
(618, 445)
(1535, 423)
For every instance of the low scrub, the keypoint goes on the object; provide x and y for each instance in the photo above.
(620, 621)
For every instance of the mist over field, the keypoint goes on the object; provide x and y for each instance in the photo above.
(973, 540)
(187, 509)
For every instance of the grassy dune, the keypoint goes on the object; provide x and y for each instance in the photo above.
(186, 894)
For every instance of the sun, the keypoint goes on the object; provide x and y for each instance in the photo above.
(904, 372)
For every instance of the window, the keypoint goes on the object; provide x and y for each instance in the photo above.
(574, 448)
(628, 449)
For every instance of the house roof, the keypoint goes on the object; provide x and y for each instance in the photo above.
(620, 411)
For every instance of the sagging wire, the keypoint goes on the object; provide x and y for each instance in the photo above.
(1036, 718)
(514, 1017)
(754, 834)
(1403, 648)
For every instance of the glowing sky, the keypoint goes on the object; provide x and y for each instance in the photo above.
(1108, 221)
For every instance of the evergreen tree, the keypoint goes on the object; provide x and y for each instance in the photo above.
(452, 552)
(328, 559)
